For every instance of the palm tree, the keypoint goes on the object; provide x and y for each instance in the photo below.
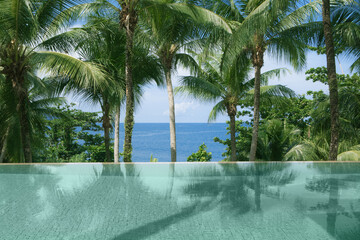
(318, 146)
(275, 139)
(104, 97)
(267, 26)
(345, 17)
(340, 24)
(344, 27)
(98, 42)
(333, 88)
(170, 38)
(95, 43)
(130, 12)
(24, 25)
(153, 11)
(232, 87)
(128, 20)
(40, 99)
(117, 129)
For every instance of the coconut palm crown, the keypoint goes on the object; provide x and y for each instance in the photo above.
(229, 89)
(102, 42)
(274, 27)
(25, 25)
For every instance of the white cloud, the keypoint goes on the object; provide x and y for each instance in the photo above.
(183, 107)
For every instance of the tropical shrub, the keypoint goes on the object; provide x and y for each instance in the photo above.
(72, 135)
(201, 155)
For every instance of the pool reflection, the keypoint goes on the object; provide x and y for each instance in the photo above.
(180, 201)
(340, 183)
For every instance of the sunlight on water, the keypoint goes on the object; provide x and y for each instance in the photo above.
(180, 201)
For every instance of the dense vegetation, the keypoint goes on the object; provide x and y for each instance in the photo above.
(123, 45)
(201, 155)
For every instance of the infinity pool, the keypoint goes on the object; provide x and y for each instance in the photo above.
(180, 201)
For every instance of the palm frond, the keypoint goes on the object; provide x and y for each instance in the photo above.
(219, 108)
(198, 88)
(86, 74)
(186, 61)
(349, 156)
(201, 15)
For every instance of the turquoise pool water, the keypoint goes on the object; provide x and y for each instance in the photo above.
(180, 201)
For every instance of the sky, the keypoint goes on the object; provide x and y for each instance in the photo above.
(154, 103)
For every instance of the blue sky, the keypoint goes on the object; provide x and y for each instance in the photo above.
(154, 104)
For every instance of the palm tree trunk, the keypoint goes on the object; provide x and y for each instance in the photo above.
(107, 125)
(171, 115)
(255, 132)
(233, 140)
(117, 135)
(24, 126)
(129, 114)
(333, 88)
(3, 152)
(4, 146)
(129, 21)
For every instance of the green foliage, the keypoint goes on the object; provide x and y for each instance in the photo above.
(37, 108)
(25, 27)
(296, 112)
(291, 127)
(315, 146)
(300, 129)
(78, 157)
(276, 137)
(96, 153)
(201, 155)
(349, 106)
(152, 159)
(345, 17)
(322, 50)
(319, 74)
(352, 155)
(243, 141)
(72, 135)
(230, 88)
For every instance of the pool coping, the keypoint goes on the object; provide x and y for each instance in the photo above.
(155, 163)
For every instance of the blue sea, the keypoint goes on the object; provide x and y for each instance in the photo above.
(154, 138)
